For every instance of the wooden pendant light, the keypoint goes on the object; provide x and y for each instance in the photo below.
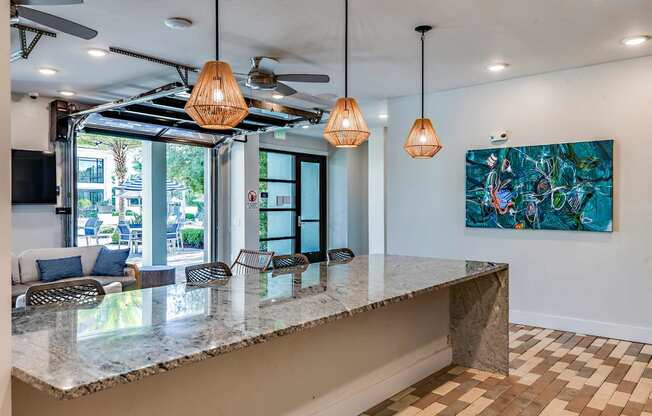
(422, 141)
(216, 101)
(346, 126)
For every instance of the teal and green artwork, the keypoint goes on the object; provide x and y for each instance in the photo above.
(565, 186)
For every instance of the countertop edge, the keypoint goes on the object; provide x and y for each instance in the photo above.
(163, 367)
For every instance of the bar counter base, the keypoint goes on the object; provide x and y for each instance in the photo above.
(341, 368)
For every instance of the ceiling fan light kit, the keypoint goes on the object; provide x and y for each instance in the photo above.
(346, 126)
(216, 101)
(422, 141)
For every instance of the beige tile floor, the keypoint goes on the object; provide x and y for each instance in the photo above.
(552, 373)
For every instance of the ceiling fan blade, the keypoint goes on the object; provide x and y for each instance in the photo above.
(285, 90)
(56, 23)
(47, 2)
(303, 78)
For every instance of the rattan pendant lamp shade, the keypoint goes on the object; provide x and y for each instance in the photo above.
(422, 141)
(216, 101)
(346, 126)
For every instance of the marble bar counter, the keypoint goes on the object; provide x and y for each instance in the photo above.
(324, 339)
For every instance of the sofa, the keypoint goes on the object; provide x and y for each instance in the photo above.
(25, 273)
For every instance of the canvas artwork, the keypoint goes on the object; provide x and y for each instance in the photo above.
(549, 187)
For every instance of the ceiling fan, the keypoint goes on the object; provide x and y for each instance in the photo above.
(20, 12)
(260, 78)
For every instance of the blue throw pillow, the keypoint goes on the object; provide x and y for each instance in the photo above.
(110, 262)
(53, 270)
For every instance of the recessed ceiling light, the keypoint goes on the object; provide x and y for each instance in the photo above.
(497, 67)
(305, 126)
(47, 71)
(178, 23)
(635, 40)
(97, 53)
(383, 116)
(277, 96)
(67, 93)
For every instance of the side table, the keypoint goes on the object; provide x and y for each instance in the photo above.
(154, 276)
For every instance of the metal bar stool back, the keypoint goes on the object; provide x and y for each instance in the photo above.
(80, 292)
(290, 260)
(251, 261)
(205, 273)
(340, 254)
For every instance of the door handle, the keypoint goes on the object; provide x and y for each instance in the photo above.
(298, 220)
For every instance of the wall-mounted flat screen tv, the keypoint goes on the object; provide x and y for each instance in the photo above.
(33, 177)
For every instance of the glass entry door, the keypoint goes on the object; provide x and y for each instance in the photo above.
(311, 189)
(293, 204)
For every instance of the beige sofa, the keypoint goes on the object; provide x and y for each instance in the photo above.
(25, 270)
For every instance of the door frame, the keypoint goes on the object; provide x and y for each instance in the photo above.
(323, 203)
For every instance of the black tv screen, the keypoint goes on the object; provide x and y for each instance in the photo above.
(33, 177)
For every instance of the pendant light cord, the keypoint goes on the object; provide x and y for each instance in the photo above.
(423, 65)
(217, 30)
(346, 48)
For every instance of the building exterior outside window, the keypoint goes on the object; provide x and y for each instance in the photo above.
(90, 170)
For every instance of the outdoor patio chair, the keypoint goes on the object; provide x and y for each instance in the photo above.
(92, 230)
(288, 261)
(251, 261)
(173, 236)
(206, 273)
(340, 254)
(129, 236)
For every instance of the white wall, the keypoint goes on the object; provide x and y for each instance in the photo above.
(244, 175)
(588, 282)
(33, 226)
(376, 191)
(348, 213)
(5, 219)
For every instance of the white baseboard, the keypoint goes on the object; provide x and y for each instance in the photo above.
(583, 326)
(358, 396)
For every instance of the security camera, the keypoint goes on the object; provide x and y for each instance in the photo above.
(33, 95)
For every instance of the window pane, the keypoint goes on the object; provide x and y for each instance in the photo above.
(276, 166)
(279, 195)
(279, 247)
(90, 170)
(309, 191)
(309, 237)
(276, 224)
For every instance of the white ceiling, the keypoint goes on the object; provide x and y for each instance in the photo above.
(534, 36)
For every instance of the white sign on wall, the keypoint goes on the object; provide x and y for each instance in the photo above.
(252, 199)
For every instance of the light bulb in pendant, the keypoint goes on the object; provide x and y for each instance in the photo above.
(218, 95)
(422, 138)
(346, 123)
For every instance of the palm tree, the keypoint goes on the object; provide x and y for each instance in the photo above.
(119, 149)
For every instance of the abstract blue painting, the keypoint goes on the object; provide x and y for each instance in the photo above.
(565, 186)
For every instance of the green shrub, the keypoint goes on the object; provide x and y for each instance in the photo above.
(105, 229)
(193, 237)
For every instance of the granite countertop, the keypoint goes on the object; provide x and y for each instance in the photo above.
(71, 351)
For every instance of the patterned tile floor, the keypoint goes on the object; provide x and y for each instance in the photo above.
(551, 373)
